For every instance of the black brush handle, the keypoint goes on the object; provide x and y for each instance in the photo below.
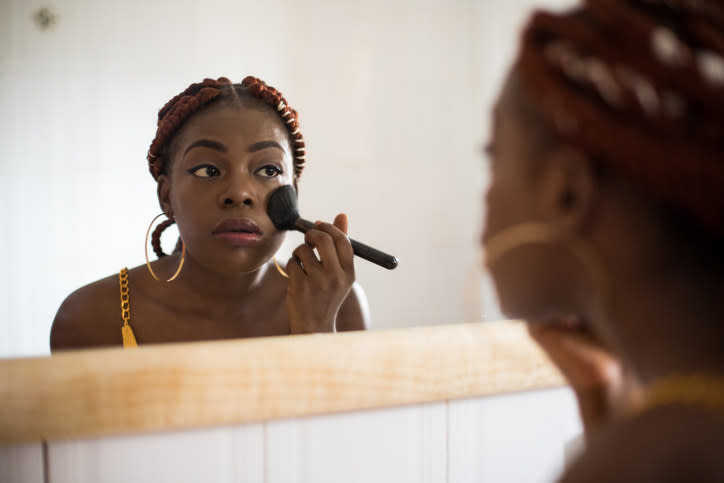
(373, 255)
(360, 249)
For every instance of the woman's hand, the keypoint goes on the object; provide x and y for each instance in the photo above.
(318, 286)
(595, 375)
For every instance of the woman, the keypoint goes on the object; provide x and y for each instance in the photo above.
(219, 151)
(605, 226)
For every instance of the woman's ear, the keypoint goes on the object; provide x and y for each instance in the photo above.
(163, 190)
(570, 190)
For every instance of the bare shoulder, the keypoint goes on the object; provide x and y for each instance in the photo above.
(354, 314)
(89, 317)
(664, 445)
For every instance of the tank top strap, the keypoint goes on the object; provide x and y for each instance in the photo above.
(129, 338)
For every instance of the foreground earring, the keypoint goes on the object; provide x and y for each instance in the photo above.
(514, 237)
(280, 269)
(517, 236)
(148, 262)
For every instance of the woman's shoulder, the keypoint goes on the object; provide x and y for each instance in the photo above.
(354, 314)
(665, 444)
(89, 317)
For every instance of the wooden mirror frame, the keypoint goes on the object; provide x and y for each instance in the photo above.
(179, 386)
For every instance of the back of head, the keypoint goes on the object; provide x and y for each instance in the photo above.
(638, 86)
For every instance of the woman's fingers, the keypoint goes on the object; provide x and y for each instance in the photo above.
(321, 240)
(595, 375)
(581, 358)
(342, 223)
(334, 254)
(342, 246)
(304, 255)
(294, 269)
(318, 288)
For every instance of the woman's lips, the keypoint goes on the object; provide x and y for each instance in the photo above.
(238, 231)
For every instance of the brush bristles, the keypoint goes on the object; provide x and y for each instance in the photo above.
(282, 207)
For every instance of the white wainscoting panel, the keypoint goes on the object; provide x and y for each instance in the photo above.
(21, 464)
(515, 438)
(511, 438)
(221, 455)
(391, 445)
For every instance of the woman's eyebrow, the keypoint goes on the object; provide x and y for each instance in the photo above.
(207, 143)
(263, 145)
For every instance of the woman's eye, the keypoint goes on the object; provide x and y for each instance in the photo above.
(269, 171)
(205, 171)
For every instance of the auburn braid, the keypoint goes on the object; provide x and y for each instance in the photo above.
(156, 237)
(257, 88)
(198, 95)
(638, 85)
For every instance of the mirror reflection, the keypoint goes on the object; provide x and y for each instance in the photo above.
(392, 101)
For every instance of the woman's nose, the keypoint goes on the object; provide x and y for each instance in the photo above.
(245, 201)
(238, 192)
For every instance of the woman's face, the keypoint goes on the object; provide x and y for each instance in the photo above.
(525, 276)
(225, 162)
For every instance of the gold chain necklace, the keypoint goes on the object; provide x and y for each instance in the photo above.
(129, 340)
(701, 390)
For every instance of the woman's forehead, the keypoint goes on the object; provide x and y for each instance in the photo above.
(246, 123)
(237, 118)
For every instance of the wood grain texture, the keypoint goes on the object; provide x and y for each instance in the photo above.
(153, 388)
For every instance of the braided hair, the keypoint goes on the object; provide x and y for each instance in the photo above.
(199, 95)
(638, 86)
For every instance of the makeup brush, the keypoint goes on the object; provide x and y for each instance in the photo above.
(282, 209)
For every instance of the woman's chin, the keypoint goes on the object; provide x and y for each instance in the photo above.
(246, 268)
(229, 267)
(516, 308)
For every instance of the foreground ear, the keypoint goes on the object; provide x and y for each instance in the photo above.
(570, 190)
(163, 190)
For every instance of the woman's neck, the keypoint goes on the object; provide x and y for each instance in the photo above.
(665, 325)
(203, 288)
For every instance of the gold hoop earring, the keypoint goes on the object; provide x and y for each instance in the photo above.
(280, 269)
(148, 262)
(542, 233)
(514, 237)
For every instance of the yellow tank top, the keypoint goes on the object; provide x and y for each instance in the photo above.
(129, 338)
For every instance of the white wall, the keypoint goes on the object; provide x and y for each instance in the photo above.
(393, 99)
(516, 438)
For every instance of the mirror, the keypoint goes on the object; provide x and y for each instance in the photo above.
(393, 100)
